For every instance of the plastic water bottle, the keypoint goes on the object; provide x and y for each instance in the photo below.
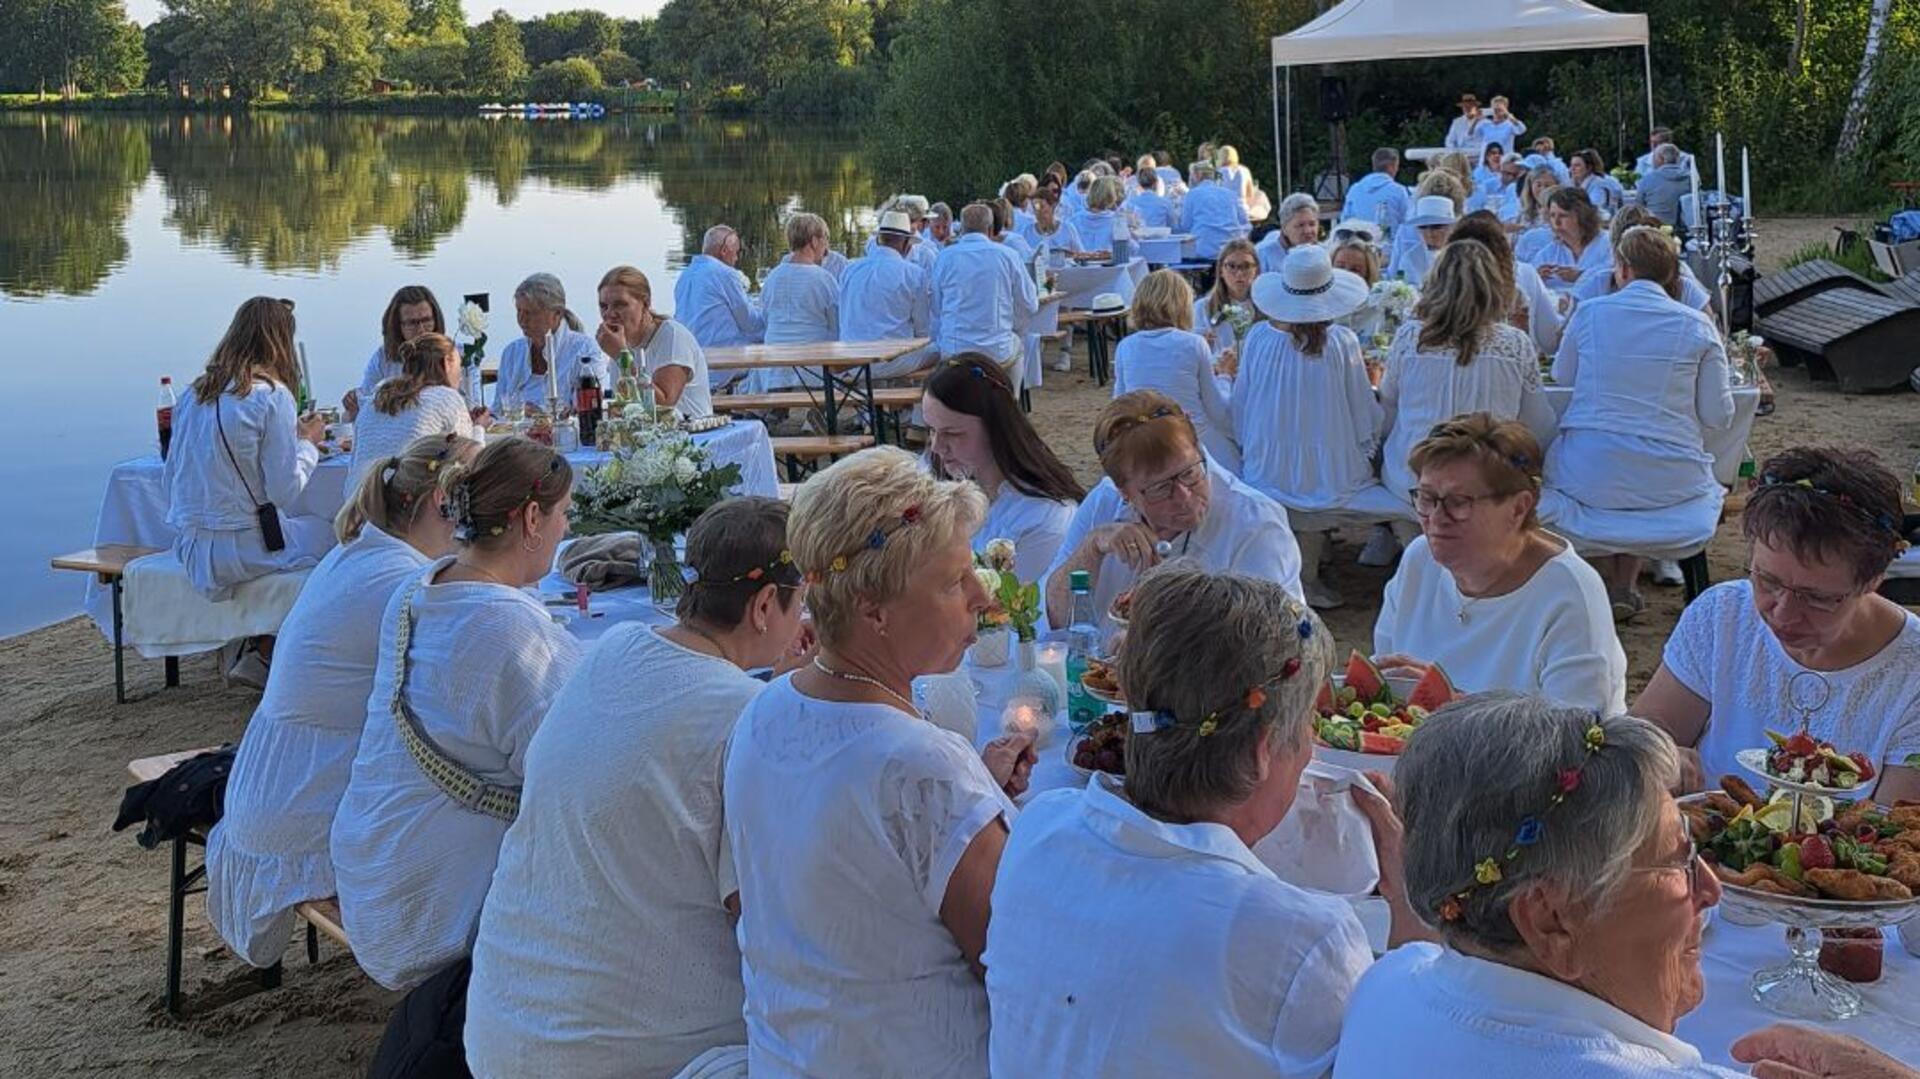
(1042, 260)
(1083, 639)
(163, 415)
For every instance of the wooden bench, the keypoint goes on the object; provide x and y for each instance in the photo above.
(180, 881)
(1864, 340)
(802, 453)
(108, 564)
(890, 400)
(323, 920)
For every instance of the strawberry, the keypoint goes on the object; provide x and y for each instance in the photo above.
(1866, 766)
(1801, 745)
(1816, 853)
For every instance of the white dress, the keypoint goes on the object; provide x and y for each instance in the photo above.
(1420, 389)
(1630, 470)
(672, 345)
(1035, 525)
(604, 948)
(1428, 1011)
(801, 303)
(413, 867)
(1308, 425)
(439, 410)
(1553, 635)
(269, 852)
(1244, 532)
(1179, 363)
(1724, 654)
(518, 386)
(211, 496)
(1241, 974)
(847, 822)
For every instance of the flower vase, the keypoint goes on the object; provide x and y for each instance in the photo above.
(990, 650)
(666, 581)
(1033, 682)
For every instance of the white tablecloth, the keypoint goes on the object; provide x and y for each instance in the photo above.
(1044, 323)
(134, 508)
(1727, 446)
(1083, 283)
(1167, 250)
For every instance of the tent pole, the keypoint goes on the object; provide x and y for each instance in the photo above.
(1278, 168)
(1286, 179)
(1647, 51)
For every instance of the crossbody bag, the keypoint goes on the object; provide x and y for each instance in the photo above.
(265, 512)
(455, 780)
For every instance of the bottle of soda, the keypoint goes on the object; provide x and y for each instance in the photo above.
(586, 402)
(163, 415)
(1083, 642)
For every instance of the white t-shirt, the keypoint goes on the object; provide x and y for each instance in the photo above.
(1724, 654)
(1553, 635)
(604, 948)
(847, 821)
(673, 346)
(439, 410)
(378, 370)
(413, 867)
(1121, 946)
(1035, 525)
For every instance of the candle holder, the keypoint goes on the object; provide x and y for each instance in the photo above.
(1728, 236)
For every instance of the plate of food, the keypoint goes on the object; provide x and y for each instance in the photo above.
(1857, 868)
(1100, 748)
(1102, 683)
(1363, 716)
(1799, 762)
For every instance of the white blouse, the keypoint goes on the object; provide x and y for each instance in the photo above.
(269, 851)
(1121, 945)
(1420, 389)
(1429, 1011)
(1307, 425)
(1553, 635)
(413, 867)
(1035, 525)
(604, 947)
(205, 489)
(1597, 256)
(846, 823)
(1642, 364)
(801, 303)
(378, 370)
(518, 386)
(1725, 655)
(1179, 363)
(1095, 228)
(1064, 239)
(672, 345)
(439, 410)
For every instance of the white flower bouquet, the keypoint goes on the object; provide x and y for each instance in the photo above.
(1240, 317)
(1396, 298)
(657, 488)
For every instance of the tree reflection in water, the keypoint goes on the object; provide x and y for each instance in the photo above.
(66, 186)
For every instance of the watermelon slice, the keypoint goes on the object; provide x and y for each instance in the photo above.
(1327, 702)
(1365, 679)
(1433, 691)
(1380, 743)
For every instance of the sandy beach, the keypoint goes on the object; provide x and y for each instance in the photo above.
(83, 911)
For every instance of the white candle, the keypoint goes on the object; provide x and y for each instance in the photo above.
(1720, 169)
(1746, 185)
(553, 366)
(1024, 716)
(1693, 177)
(1051, 657)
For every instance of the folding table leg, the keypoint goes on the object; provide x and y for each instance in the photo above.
(176, 922)
(119, 660)
(826, 397)
(313, 944)
(270, 977)
(1694, 571)
(173, 671)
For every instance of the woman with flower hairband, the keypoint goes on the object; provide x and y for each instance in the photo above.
(865, 838)
(1542, 845)
(468, 663)
(1164, 498)
(1134, 930)
(269, 852)
(606, 946)
(1822, 528)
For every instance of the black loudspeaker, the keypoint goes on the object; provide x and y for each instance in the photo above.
(1333, 98)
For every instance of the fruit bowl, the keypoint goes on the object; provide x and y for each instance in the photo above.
(1363, 717)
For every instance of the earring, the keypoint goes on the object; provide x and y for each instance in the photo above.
(532, 542)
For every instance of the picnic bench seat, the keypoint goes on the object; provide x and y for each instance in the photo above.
(108, 563)
(323, 919)
(886, 401)
(802, 453)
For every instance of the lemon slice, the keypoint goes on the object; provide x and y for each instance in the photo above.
(1777, 815)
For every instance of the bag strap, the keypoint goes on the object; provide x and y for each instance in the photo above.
(455, 780)
(228, 446)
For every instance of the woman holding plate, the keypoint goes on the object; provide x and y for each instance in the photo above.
(1822, 529)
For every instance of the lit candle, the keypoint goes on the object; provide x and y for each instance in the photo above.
(1051, 657)
(1023, 716)
(1746, 185)
(1720, 169)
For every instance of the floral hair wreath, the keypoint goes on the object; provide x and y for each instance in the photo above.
(1159, 719)
(757, 574)
(1487, 871)
(1885, 522)
(460, 503)
(875, 540)
(1140, 420)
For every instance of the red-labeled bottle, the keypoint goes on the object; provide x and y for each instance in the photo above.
(586, 403)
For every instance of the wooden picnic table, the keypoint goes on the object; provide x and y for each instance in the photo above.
(845, 367)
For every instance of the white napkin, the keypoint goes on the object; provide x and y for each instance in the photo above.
(1325, 843)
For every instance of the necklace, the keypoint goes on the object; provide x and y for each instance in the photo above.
(471, 568)
(1493, 591)
(852, 676)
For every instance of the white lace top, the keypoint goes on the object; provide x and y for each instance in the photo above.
(1420, 389)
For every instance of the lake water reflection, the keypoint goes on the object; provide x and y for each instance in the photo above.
(126, 243)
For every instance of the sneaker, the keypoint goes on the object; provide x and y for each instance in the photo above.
(1322, 598)
(1381, 548)
(1666, 571)
(249, 670)
(1628, 607)
(1062, 364)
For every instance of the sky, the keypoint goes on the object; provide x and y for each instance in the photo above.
(145, 11)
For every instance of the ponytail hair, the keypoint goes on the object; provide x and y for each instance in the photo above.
(506, 476)
(393, 493)
(423, 363)
(545, 291)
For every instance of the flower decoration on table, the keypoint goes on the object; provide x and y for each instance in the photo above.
(473, 333)
(657, 486)
(634, 428)
(1014, 608)
(1395, 298)
(1627, 176)
(1748, 352)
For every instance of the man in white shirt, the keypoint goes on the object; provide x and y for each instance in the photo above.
(1501, 126)
(1659, 137)
(982, 295)
(884, 296)
(710, 299)
(1212, 214)
(801, 300)
(1378, 196)
(1464, 133)
(937, 229)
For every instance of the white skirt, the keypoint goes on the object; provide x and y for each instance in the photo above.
(1622, 494)
(217, 560)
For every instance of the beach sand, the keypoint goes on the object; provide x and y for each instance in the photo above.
(83, 910)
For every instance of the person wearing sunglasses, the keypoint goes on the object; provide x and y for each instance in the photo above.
(1822, 528)
(1165, 498)
(1485, 592)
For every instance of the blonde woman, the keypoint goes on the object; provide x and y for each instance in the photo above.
(1095, 223)
(422, 400)
(1163, 353)
(1214, 315)
(1361, 259)
(269, 853)
(674, 363)
(1233, 176)
(1535, 231)
(546, 323)
(1458, 354)
(801, 302)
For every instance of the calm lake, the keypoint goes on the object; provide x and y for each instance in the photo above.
(127, 242)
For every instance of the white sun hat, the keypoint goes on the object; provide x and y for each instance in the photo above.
(1308, 288)
(1358, 227)
(1108, 303)
(1432, 210)
(896, 223)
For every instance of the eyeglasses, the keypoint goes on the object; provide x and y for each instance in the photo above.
(1240, 264)
(1187, 479)
(1774, 588)
(1692, 867)
(417, 323)
(1458, 508)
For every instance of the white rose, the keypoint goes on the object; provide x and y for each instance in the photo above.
(684, 470)
(989, 579)
(473, 321)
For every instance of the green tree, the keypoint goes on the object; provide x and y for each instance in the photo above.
(66, 45)
(496, 62)
(569, 33)
(617, 67)
(248, 45)
(341, 43)
(428, 18)
(637, 38)
(564, 80)
(431, 63)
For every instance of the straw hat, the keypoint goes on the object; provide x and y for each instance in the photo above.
(1308, 288)
(1430, 210)
(896, 223)
(1109, 303)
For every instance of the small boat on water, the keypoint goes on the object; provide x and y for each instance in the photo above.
(550, 110)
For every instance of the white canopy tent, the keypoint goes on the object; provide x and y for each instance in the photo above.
(1357, 30)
